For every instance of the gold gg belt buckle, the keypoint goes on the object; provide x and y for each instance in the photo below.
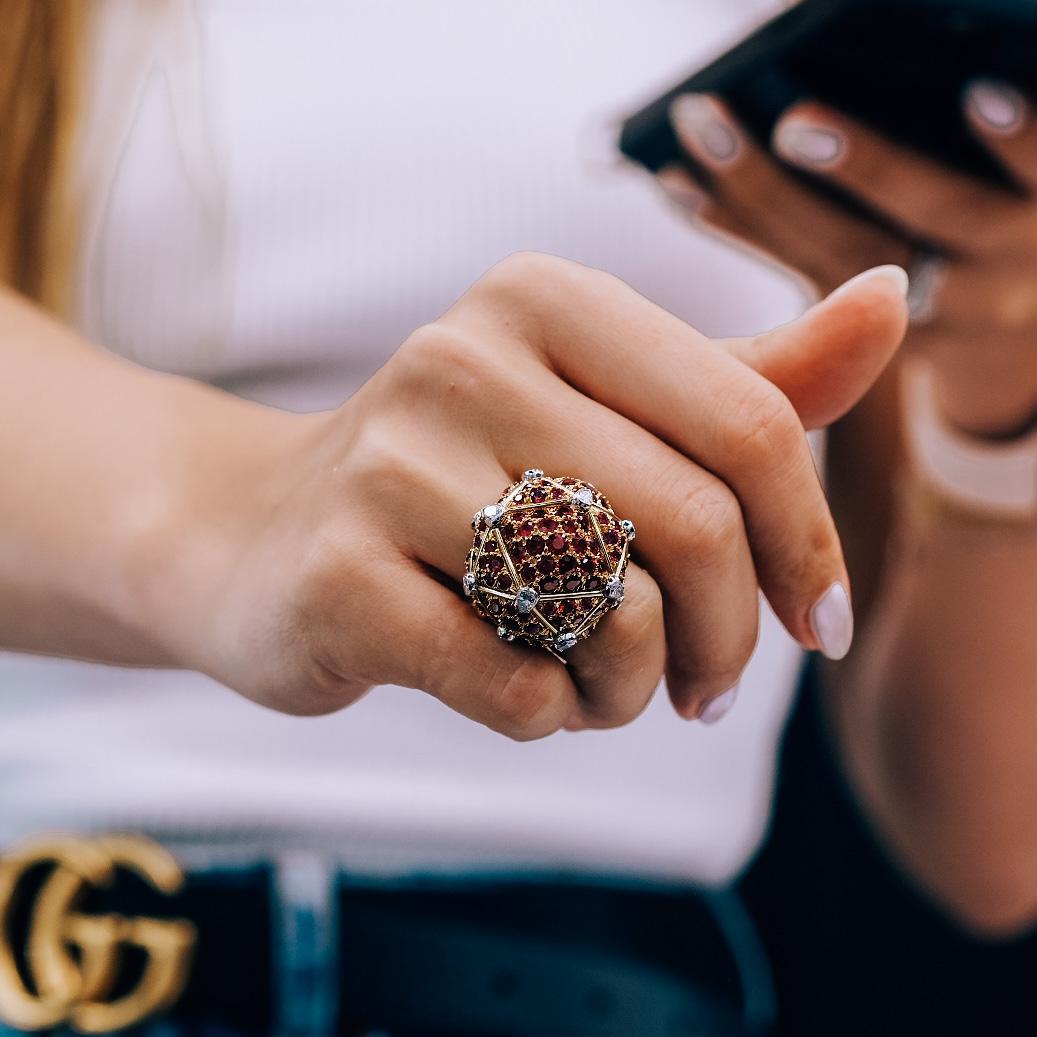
(62, 967)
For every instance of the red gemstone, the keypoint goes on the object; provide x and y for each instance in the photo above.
(572, 584)
(558, 543)
(528, 573)
(567, 564)
(536, 545)
(546, 608)
(495, 606)
(580, 543)
(538, 495)
(563, 509)
(611, 537)
(548, 525)
(549, 586)
(587, 565)
(569, 526)
(546, 566)
(526, 529)
(564, 607)
(495, 563)
(593, 584)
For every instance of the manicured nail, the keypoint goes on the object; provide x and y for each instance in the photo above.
(719, 707)
(997, 106)
(808, 144)
(679, 188)
(705, 130)
(832, 620)
(897, 275)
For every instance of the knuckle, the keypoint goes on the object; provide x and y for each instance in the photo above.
(383, 463)
(444, 365)
(708, 517)
(525, 704)
(529, 286)
(766, 428)
(524, 271)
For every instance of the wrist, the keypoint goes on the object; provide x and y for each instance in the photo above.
(994, 479)
(221, 467)
(982, 389)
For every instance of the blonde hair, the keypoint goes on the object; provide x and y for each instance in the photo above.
(40, 72)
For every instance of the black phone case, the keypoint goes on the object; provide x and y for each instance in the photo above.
(898, 65)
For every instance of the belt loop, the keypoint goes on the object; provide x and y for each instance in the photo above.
(305, 949)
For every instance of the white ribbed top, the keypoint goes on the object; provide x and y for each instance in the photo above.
(275, 196)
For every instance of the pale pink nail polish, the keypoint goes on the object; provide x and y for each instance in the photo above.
(719, 707)
(679, 189)
(832, 622)
(704, 129)
(996, 105)
(809, 144)
(896, 275)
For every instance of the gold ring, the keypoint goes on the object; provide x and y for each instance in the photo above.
(548, 561)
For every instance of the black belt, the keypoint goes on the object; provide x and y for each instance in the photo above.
(490, 959)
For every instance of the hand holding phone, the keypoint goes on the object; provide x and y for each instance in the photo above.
(830, 180)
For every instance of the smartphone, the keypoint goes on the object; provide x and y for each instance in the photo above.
(899, 66)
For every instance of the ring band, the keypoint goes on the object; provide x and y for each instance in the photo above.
(548, 561)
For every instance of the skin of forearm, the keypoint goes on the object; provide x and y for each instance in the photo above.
(935, 709)
(119, 489)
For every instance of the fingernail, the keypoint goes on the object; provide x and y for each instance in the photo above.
(832, 620)
(679, 188)
(719, 707)
(897, 275)
(704, 129)
(997, 105)
(808, 144)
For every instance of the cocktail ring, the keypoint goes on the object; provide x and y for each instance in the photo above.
(548, 561)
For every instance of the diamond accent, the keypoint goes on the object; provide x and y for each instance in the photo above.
(585, 495)
(526, 600)
(468, 584)
(505, 634)
(614, 590)
(492, 513)
(628, 528)
(533, 474)
(565, 641)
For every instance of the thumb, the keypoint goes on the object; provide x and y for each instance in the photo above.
(826, 360)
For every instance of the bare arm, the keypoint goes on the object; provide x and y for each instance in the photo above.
(98, 461)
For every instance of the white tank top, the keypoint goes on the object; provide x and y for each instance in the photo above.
(275, 195)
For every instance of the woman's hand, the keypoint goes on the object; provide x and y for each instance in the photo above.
(344, 570)
(982, 337)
